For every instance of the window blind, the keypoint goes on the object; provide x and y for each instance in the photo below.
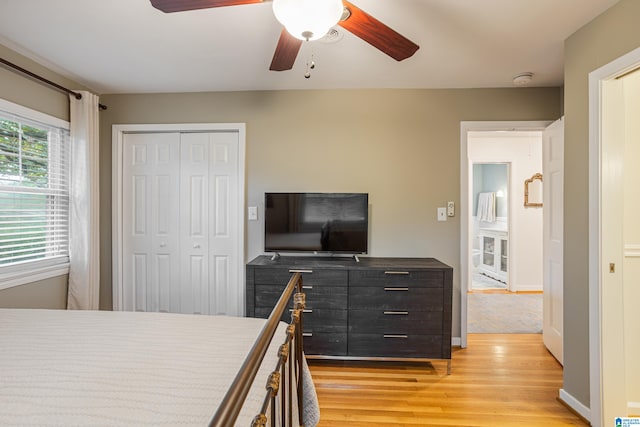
(34, 191)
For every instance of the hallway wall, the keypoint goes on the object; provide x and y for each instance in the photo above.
(609, 36)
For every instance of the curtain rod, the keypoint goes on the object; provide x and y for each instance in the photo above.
(46, 81)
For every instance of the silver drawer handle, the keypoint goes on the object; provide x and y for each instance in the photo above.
(396, 289)
(395, 336)
(396, 313)
(301, 271)
(307, 287)
(307, 334)
(304, 311)
(404, 273)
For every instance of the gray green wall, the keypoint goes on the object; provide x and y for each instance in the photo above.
(609, 36)
(29, 93)
(400, 146)
(49, 293)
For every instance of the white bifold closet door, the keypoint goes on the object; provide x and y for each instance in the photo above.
(181, 238)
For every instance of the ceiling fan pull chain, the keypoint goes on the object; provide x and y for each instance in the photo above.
(310, 66)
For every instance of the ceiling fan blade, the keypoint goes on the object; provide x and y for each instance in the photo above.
(286, 52)
(377, 34)
(168, 6)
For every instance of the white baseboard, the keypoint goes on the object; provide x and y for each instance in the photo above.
(633, 407)
(456, 341)
(574, 404)
(525, 288)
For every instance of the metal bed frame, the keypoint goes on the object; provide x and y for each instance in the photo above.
(288, 369)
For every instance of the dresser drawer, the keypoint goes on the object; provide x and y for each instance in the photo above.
(324, 343)
(395, 345)
(318, 296)
(396, 277)
(396, 298)
(395, 322)
(314, 320)
(310, 276)
(346, 302)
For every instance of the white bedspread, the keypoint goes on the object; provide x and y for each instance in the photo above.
(89, 368)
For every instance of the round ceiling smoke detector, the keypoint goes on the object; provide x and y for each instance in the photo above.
(523, 79)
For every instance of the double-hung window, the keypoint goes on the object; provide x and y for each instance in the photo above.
(34, 195)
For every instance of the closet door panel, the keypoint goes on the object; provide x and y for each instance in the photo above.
(222, 291)
(182, 223)
(137, 297)
(194, 211)
(151, 223)
(221, 206)
(225, 222)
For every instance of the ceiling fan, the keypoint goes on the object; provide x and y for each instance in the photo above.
(351, 18)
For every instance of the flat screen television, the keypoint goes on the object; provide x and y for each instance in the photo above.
(316, 222)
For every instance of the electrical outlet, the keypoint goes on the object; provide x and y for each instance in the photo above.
(442, 214)
(451, 209)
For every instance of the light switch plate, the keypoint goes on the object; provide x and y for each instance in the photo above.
(442, 214)
(253, 213)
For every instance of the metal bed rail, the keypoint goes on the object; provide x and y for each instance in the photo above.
(289, 366)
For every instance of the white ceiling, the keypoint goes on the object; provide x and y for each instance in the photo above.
(127, 46)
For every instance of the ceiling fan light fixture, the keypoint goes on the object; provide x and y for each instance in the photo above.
(308, 19)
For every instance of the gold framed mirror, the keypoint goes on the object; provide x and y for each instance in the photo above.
(533, 191)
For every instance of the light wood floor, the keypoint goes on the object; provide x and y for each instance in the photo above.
(498, 380)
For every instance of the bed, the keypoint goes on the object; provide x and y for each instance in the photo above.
(63, 368)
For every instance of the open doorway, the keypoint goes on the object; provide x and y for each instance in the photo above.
(505, 290)
(496, 143)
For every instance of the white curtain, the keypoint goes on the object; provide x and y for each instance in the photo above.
(84, 241)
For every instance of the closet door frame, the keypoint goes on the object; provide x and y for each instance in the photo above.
(117, 136)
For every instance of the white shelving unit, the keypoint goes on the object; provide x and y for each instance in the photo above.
(494, 256)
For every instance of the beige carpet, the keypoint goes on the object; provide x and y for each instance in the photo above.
(504, 313)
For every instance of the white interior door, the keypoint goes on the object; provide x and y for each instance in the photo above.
(210, 223)
(225, 221)
(194, 224)
(631, 227)
(150, 193)
(613, 134)
(552, 246)
(182, 223)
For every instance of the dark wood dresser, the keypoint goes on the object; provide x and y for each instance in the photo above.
(376, 308)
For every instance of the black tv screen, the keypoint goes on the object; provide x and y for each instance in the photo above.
(316, 222)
